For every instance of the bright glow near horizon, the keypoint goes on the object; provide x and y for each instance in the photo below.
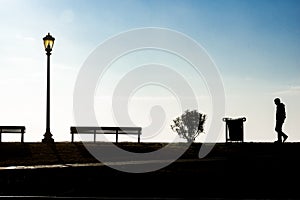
(255, 45)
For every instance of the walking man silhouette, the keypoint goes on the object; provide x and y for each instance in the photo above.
(280, 117)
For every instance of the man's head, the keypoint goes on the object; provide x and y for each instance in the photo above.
(277, 101)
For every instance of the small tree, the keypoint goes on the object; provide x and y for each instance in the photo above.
(189, 125)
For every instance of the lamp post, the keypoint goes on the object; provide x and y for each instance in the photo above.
(48, 43)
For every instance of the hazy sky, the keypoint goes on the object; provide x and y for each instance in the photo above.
(254, 44)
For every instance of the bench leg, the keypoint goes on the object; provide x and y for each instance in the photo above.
(117, 136)
(22, 137)
(139, 137)
(72, 137)
(94, 135)
(226, 132)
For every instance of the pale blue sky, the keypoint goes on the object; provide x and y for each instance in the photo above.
(255, 45)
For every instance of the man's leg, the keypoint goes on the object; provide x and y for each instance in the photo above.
(284, 136)
(278, 129)
(279, 137)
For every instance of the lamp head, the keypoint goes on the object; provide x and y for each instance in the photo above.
(48, 42)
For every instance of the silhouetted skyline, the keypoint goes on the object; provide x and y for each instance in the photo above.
(254, 44)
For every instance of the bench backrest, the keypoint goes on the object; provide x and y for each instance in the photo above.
(105, 130)
(12, 129)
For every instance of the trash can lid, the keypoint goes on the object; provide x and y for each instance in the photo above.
(228, 118)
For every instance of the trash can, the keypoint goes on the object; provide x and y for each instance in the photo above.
(234, 129)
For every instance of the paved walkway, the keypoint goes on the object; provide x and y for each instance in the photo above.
(141, 162)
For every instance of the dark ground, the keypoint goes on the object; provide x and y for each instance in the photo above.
(232, 170)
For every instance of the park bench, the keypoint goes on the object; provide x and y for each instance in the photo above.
(105, 130)
(12, 129)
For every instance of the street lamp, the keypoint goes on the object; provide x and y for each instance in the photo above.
(48, 43)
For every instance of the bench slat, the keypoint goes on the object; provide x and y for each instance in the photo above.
(10, 130)
(104, 129)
